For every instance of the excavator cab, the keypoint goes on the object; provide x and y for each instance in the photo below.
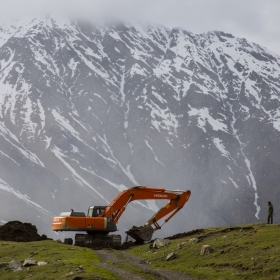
(95, 211)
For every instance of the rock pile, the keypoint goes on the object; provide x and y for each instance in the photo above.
(19, 232)
(16, 265)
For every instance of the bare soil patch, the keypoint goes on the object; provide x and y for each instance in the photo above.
(111, 258)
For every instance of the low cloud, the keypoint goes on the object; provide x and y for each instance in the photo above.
(255, 20)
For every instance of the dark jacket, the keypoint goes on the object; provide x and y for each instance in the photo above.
(270, 208)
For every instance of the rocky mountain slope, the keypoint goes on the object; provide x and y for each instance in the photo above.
(87, 111)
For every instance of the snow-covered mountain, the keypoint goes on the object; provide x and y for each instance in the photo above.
(87, 111)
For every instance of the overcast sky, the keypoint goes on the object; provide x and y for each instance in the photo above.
(256, 20)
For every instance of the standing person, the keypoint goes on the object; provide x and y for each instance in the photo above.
(270, 213)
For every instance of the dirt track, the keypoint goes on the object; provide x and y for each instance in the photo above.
(111, 260)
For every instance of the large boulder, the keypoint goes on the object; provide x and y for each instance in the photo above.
(160, 242)
(29, 262)
(171, 256)
(205, 250)
(41, 263)
(15, 265)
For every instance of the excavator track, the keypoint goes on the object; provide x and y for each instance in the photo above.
(97, 241)
(141, 234)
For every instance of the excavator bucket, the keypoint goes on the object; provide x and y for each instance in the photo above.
(141, 234)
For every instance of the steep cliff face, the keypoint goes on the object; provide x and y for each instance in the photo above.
(87, 111)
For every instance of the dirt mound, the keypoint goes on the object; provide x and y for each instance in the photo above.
(19, 232)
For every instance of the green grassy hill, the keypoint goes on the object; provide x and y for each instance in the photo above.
(242, 252)
(62, 259)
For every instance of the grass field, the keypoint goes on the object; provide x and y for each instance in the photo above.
(243, 252)
(62, 259)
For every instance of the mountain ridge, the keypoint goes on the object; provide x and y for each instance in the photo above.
(87, 112)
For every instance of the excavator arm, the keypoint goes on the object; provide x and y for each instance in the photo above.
(172, 207)
(177, 200)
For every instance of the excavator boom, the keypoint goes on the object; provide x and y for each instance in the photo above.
(118, 205)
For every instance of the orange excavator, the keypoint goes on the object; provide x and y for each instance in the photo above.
(100, 220)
